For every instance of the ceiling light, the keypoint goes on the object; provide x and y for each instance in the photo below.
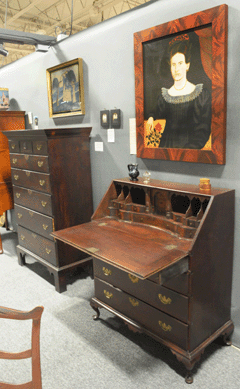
(3, 51)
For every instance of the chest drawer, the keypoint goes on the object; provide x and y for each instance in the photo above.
(34, 221)
(40, 147)
(39, 245)
(32, 180)
(14, 146)
(37, 201)
(26, 146)
(30, 162)
(154, 320)
(158, 296)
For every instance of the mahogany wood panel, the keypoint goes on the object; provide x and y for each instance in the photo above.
(155, 320)
(142, 250)
(211, 264)
(35, 221)
(158, 296)
(40, 202)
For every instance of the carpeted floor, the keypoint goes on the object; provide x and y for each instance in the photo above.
(78, 352)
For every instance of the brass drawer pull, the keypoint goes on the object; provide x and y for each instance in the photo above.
(165, 300)
(48, 251)
(108, 294)
(40, 163)
(30, 192)
(22, 237)
(45, 227)
(164, 326)
(107, 272)
(39, 147)
(44, 203)
(19, 215)
(134, 279)
(42, 182)
(26, 157)
(18, 195)
(134, 302)
(34, 235)
(13, 146)
(30, 213)
(27, 174)
(14, 161)
(16, 177)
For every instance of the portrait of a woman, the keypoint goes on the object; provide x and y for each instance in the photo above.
(185, 105)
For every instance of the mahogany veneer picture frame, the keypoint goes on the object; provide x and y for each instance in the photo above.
(206, 32)
(65, 89)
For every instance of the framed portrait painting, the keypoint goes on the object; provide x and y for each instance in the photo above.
(65, 89)
(180, 88)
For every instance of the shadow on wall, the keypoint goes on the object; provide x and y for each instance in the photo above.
(14, 105)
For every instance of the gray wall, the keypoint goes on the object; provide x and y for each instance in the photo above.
(107, 52)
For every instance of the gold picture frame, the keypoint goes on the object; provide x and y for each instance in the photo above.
(66, 89)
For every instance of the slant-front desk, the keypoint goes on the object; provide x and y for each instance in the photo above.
(163, 257)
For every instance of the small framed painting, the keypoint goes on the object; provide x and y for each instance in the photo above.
(65, 89)
(115, 118)
(104, 118)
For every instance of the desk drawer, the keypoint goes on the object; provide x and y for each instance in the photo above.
(34, 221)
(35, 243)
(154, 320)
(32, 180)
(29, 162)
(158, 296)
(37, 201)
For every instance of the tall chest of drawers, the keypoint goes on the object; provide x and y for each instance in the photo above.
(9, 120)
(52, 189)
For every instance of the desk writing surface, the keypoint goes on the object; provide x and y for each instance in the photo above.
(139, 249)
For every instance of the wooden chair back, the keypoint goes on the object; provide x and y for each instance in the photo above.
(33, 352)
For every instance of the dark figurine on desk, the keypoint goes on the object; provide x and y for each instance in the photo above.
(133, 171)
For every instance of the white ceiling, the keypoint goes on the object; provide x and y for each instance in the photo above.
(51, 17)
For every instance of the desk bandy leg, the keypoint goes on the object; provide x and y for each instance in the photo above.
(95, 307)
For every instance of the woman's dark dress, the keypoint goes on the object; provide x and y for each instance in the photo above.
(188, 118)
